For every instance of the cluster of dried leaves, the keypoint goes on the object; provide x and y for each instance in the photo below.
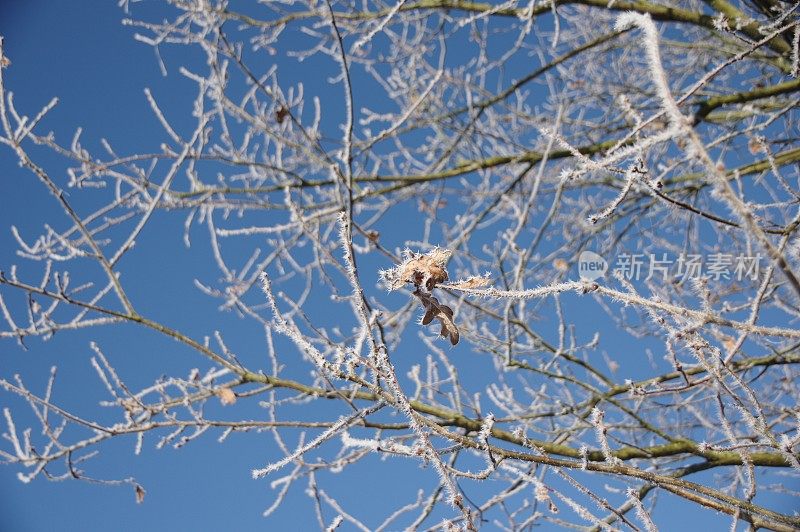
(443, 313)
(425, 272)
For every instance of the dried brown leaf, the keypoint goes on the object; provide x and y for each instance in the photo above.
(226, 396)
(729, 342)
(455, 336)
(472, 282)
(140, 493)
(281, 113)
(560, 265)
(449, 329)
(755, 145)
(420, 270)
(443, 313)
(423, 270)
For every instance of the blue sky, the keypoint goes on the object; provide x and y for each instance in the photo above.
(80, 52)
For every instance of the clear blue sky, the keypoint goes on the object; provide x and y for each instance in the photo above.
(81, 53)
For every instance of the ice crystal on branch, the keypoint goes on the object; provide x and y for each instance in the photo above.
(476, 281)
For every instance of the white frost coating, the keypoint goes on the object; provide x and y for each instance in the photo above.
(645, 23)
